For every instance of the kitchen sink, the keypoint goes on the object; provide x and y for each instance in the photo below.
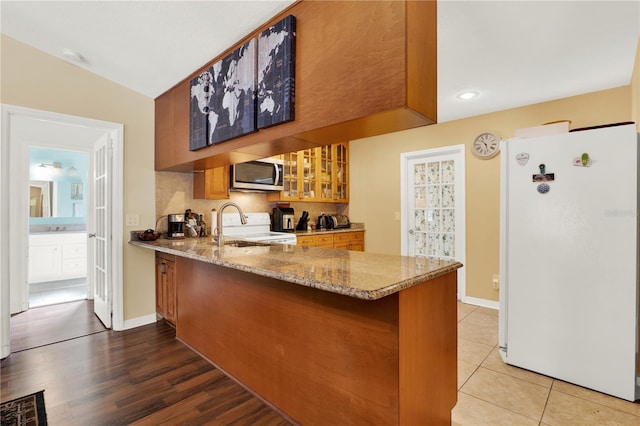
(241, 243)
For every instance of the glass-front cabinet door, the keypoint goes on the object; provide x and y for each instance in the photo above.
(341, 177)
(290, 176)
(333, 170)
(316, 174)
(326, 173)
(309, 173)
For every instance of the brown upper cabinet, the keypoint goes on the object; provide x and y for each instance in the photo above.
(362, 69)
(211, 184)
(316, 174)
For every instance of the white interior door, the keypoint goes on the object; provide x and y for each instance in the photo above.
(433, 206)
(102, 293)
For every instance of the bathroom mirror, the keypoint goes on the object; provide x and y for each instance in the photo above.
(41, 198)
(57, 184)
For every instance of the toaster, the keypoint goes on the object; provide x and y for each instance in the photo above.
(340, 221)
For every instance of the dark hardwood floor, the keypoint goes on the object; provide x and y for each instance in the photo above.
(142, 376)
(54, 323)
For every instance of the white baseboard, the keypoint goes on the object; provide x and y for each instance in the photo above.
(138, 322)
(491, 304)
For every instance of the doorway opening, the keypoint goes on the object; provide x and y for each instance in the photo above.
(433, 206)
(23, 129)
(58, 193)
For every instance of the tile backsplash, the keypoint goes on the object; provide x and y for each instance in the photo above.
(174, 194)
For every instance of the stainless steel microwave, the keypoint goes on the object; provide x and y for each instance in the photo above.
(261, 175)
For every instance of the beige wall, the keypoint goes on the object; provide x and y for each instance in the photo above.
(375, 174)
(31, 78)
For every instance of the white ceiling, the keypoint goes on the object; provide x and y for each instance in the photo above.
(513, 53)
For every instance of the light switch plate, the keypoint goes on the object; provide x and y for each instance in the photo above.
(132, 219)
(396, 215)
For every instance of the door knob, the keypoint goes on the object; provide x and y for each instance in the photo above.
(411, 232)
(92, 235)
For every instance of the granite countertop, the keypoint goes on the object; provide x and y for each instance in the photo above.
(356, 274)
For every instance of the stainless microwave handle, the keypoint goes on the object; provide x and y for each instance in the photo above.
(275, 182)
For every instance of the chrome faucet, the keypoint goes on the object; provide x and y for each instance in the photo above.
(243, 220)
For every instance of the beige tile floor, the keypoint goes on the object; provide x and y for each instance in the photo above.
(491, 392)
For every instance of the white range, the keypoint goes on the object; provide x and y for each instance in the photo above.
(258, 228)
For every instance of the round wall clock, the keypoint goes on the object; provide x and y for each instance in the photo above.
(486, 145)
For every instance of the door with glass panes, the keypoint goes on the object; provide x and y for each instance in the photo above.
(433, 210)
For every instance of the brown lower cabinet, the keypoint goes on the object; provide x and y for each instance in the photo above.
(323, 358)
(340, 240)
(166, 290)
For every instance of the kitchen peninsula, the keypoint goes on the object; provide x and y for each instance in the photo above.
(325, 336)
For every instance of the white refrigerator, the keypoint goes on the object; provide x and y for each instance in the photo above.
(569, 257)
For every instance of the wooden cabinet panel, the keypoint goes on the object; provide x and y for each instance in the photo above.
(315, 240)
(323, 358)
(170, 313)
(341, 51)
(349, 241)
(160, 285)
(325, 241)
(181, 102)
(340, 240)
(166, 287)
(172, 127)
(357, 246)
(211, 184)
(426, 313)
(164, 143)
(305, 240)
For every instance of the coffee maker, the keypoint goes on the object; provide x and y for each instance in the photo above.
(283, 220)
(176, 226)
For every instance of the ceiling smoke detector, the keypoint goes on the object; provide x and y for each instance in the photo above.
(73, 56)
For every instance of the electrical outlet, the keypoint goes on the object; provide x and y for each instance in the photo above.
(132, 219)
(495, 281)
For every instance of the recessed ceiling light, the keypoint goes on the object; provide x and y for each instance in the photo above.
(73, 56)
(465, 96)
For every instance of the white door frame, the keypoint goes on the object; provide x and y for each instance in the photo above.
(14, 222)
(405, 157)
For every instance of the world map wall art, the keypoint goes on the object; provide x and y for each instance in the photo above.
(224, 102)
(276, 73)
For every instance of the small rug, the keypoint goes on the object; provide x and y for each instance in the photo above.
(24, 411)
